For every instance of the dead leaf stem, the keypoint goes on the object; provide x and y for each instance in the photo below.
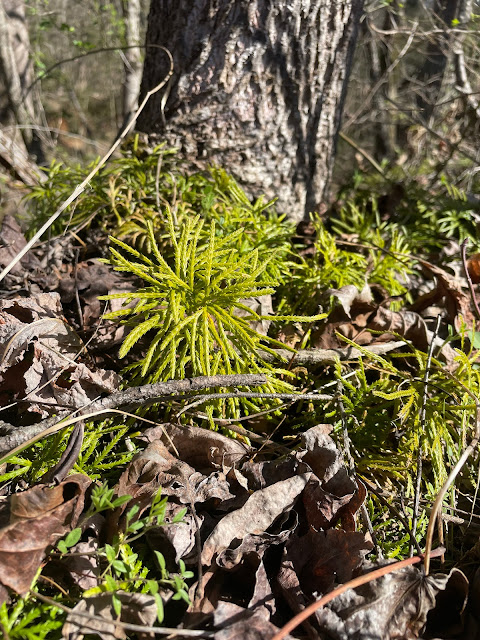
(422, 421)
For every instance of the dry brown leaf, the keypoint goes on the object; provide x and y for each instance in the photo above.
(349, 296)
(37, 358)
(137, 608)
(320, 452)
(177, 478)
(12, 242)
(252, 627)
(319, 560)
(82, 564)
(259, 512)
(203, 449)
(392, 607)
(91, 279)
(256, 544)
(457, 301)
(412, 327)
(175, 541)
(39, 517)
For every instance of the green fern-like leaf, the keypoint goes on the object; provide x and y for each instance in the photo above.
(189, 309)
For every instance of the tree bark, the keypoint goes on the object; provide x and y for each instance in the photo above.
(17, 73)
(258, 88)
(133, 57)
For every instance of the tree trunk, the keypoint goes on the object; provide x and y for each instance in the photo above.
(430, 75)
(17, 73)
(258, 88)
(133, 57)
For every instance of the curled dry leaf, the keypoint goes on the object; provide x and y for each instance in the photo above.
(252, 627)
(82, 564)
(12, 242)
(38, 518)
(259, 512)
(256, 544)
(203, 449)
(413, 328)
(393, 606)
(91, 279)
(456, 301)
(177, 540)
(236, 622)
(320, 452)
(313, 563)
(177, 478)
(349, 296)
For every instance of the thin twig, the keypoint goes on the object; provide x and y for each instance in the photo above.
(139, 628)
(422, 422)
(91, 52)
(362, 152)
(248, 394)
(81, 187)
(382, 79)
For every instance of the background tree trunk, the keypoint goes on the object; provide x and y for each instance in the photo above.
(133, 57)
(258, 88)
(16, 70)
(431, 74)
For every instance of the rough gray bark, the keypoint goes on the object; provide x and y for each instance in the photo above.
(133, 57)
(15, 158)
(258, 88)
(17, 73)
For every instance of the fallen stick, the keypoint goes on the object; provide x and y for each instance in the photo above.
(16, 438)
(330, 356)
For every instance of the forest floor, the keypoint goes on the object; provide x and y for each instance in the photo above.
(216, 424)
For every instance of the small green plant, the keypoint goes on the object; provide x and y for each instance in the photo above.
(194, 310)
(119, 190)
(122, 568)
(216, 196)
(30, 620)
(103, 454)
(130, 194)
(424, 219)
(384, 421)
(332, 266)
